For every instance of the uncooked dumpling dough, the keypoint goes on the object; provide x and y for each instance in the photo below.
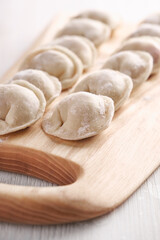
(20, 106)
(113, 84)
(147, 44)
(49, 85)
(78, 116)
(153, 19)
(94, 30)
(81, 46)
(147, 29)
(111, 20)
(136, 64)
(57, 61)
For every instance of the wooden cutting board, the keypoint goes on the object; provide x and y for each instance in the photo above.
(95, 175)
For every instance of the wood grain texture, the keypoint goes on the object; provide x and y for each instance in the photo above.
(137, 219)
(102, 171)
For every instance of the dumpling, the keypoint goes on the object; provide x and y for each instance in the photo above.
(49, 85)
(57, 61)
(111, 20)
(136, 64)
(78, 116)
(81, 46)
(113, 84)
(20, 106)
(153, 19)
(147, 30)
(97, 32)
(147, 44)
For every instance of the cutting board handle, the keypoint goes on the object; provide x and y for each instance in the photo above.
(43, 205)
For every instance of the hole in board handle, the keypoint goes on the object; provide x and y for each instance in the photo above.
(38, 164)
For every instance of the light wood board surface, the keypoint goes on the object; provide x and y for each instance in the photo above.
(100, 173)
(110, 219)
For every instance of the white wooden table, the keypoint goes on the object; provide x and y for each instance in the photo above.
(139, 217)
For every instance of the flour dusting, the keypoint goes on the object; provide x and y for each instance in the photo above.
(3, 139)
(147, 98)
(83, 130)
(102, 107)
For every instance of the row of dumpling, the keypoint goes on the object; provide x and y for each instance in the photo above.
(52, 68)
(89, 109)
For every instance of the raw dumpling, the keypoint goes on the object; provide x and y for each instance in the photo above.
(81, 46)
(20, 106)
(113, 84)
(78, 116)
(111, 20)
(136, 64)
(153, 19)
(147, 44)
(57, 61)
(97, 32)
(49, 85)
(147, 30)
